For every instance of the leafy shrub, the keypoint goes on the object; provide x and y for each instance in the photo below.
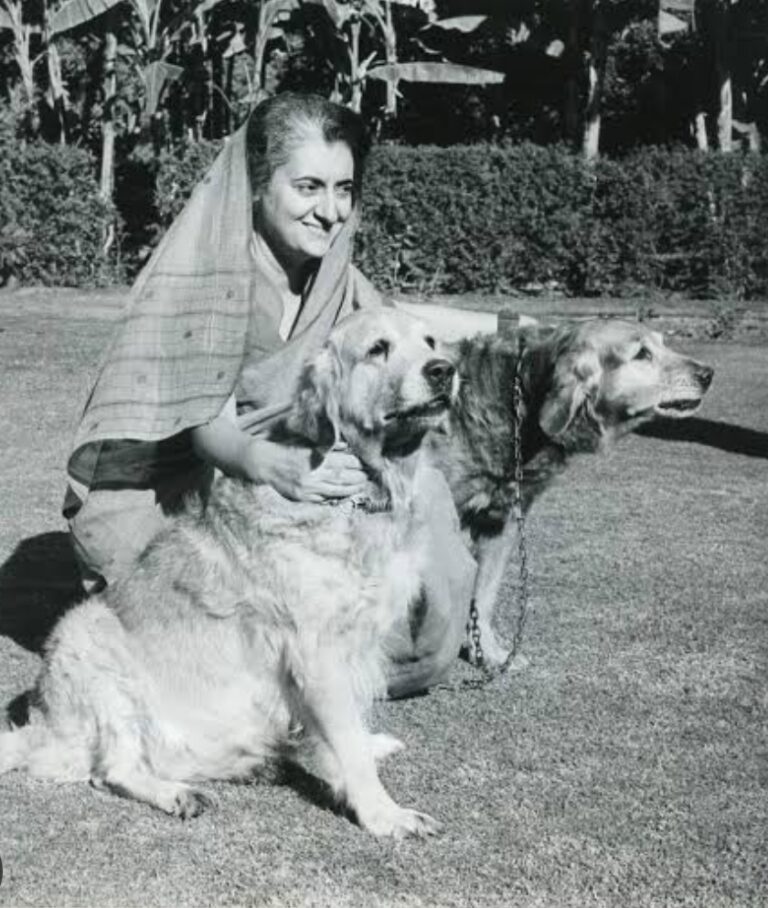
(53, 221)
(682, 221)
(499, 219)
(471, 217)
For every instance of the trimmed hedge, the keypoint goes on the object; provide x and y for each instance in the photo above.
(473, 218)
(494, 219)
(498, 219)
(52, 221)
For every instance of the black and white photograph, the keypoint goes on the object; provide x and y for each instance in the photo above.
(384, 433)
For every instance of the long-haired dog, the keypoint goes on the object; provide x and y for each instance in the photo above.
(256, 628)
(581, 384)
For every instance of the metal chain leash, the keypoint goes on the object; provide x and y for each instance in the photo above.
(519, 513)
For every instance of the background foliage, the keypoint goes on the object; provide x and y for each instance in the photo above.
(568, 133)
(52, 221)
(485, 218)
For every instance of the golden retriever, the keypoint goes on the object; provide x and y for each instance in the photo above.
(582, 383)
(256, 627)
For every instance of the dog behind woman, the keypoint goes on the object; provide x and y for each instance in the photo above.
(568, 390)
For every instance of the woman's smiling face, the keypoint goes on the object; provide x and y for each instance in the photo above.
(307, 201)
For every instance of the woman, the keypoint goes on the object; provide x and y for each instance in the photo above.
(246, 284)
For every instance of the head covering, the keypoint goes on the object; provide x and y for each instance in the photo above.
(178, 349)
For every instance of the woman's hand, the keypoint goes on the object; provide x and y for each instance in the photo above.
(289, 471)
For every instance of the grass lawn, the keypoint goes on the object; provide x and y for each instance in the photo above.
(626, 766)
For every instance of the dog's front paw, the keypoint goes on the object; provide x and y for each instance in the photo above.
(384, 745)
(494, 653)
(496, 657)
(189, 803)
(399, 822)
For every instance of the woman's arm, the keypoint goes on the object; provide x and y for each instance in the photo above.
(286, 468)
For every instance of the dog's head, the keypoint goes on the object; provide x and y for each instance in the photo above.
(616, 375)
(381, 381)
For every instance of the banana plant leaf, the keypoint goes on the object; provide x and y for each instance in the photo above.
(464, 24)
(449, 73)
(156, 76)
(669, 24)
(678, 6)
(76, 12)
(206, 6)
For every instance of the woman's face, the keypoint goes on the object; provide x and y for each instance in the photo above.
(307, 201)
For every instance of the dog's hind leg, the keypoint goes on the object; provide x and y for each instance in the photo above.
(175, 798)
(345, 751)
(122, 771)
(130, 736)
(493, 556)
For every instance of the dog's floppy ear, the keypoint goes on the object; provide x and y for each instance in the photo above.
(315, 413)
(575, 383)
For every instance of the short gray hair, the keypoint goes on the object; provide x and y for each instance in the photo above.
(280, 124)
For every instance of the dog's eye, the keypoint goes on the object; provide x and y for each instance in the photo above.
(643, 353)
(430, 342)
(380, 348)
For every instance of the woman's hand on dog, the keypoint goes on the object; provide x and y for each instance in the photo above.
(290, 471)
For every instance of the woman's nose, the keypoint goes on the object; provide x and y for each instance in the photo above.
(327, 207)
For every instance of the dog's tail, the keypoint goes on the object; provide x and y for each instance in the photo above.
(36, 749)
(17, 746)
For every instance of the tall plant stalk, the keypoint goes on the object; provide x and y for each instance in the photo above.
(22, 34)
(107, 181)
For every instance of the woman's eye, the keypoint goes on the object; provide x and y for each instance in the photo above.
(306, 188)
(344, 191)
(379, 349)
(643, 353)
(430, 342)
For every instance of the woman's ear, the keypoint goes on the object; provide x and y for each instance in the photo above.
(315, 413)
(575, 383)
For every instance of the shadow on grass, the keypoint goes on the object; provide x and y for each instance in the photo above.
(38, 583)
(723, 435)
(310, 789)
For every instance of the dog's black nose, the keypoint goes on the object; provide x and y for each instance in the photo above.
(439, 374)
(704, 375)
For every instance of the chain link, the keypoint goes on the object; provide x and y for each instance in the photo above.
(522, 548)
